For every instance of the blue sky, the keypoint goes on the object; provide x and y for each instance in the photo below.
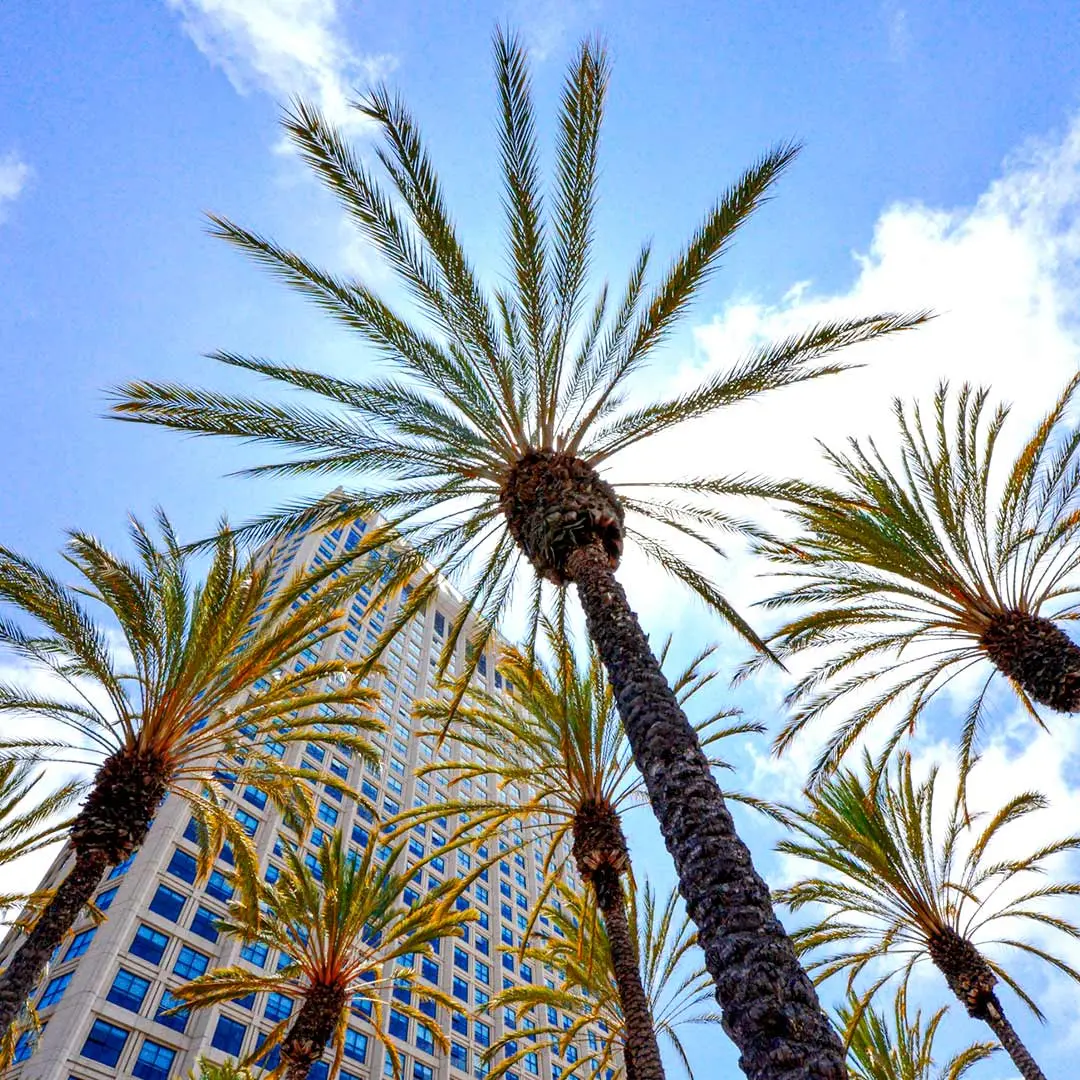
(941, 168)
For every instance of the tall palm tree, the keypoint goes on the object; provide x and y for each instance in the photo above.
(483, 445)
(558, 736)
(902, 1049)
(346, 932)
(588, 991)
(949, 559)
(897, 891)
(179, 713)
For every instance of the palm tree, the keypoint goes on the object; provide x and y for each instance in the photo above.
(340, 927)
(230, 1069)
(27, 826)
(558, 736)
(177, 715)
(904, 1049)
(944, 562)
(589, 993)
(897, 892)
(483, 445)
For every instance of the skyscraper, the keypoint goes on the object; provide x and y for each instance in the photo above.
(106, 997)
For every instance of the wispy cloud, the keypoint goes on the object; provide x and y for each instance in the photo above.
(284, 48)
(898, 32)
(15, 174)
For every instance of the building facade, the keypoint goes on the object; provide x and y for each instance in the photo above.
(105, 1001)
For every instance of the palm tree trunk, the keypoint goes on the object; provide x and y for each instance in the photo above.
(1038, 656)
(1010, 1041)
(642, 1050)
(770, 1008)
(113, 822)
(71, 896)
(312, 1029)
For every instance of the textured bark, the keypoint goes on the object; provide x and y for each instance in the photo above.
(639, 1034)
(1037, 655)
(770, 1008)
(313, 1028)
(111, 825)
(556, 503)
(1010, 1041)
(601, 855)
(972, 980)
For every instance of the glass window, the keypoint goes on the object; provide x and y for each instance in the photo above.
(104, 899)
(191, 963)
(183, 866)
(425, 1039)
(54, 990)
(327, 814)
(204, 923)
(168, 903)
(254, 796)
(79, 944)
(248, 822)
(255, 952)
(154, 1061)
(429, 969)
(459, 1057)
(121, 867)
(461, 958)
(460, 988)
(149, 944)
(278, 1007)
(481, 1033)
(398, 1025)
(483, 973)
(228, 1035)
(421, 1071)
(105, 1043)
(177, 1021)
(128, 990)
(356, 1044)
(219, 886)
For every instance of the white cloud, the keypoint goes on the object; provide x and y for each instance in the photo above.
(15, 174)
(898, 32)
(284, 48)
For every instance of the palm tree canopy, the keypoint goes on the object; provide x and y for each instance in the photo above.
(902, 1048)
(343, 925)
(491, 396)
(897, 887)
(553, 747)
(229, 1069)
(576, 948)
(207, 682)
(907, 575)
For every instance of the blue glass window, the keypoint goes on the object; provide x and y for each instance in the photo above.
(219, 886)
(191, 963)
(356, 1044)
(54, 990)
(176, 1021)
(483, 973)
(461, 958)
(104, 899)
(459, 1057)
(154, 1061)
(421, 1071)
(398, 1025)
(278, 1007)
(228, 1035)
(429, 970)
(79, 944)
(248, 822)
(255, 952)
(183, 866)
(327, 814)
(204, 923)
(254, 796)
(459, 1022)
(121, 867)
(128, 990)
(425, 1039)
(460, 989)
(25, 1046)
(168, 903)
(481, 1033)
(105, 1043)
(149, 944)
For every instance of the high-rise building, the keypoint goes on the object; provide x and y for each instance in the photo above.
(105, 999)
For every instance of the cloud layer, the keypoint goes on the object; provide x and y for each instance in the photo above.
(15, 174)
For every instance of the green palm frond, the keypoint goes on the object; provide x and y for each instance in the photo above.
(900, 575)
(901, 1047)
(576, 950)
(482, 378)
(342, 923)
(896, 874)
(209, 673)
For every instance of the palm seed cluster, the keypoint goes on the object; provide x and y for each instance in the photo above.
(479, 452)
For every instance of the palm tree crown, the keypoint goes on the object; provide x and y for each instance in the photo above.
(213, 685)
(903, 1048)
(577, 948)
(898, 889)
(345, 934)
(911, 575)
